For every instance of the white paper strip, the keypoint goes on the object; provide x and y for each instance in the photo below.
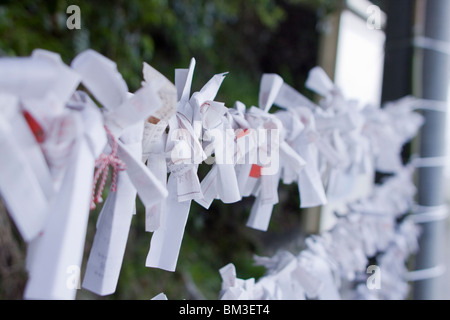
(166, 240)
(18, 180)
(107, 252)
(55, 266)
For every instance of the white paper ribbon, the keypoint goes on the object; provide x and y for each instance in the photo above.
(55, 256)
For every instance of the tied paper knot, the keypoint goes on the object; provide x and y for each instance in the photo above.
(102, 164)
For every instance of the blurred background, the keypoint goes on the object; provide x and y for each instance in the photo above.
(364, 46)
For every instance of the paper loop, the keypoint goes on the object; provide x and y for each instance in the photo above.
(424, 274)
(432, 44)
(425, 214)
(430, 162)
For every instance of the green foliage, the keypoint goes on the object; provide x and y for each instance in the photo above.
(231, 35)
